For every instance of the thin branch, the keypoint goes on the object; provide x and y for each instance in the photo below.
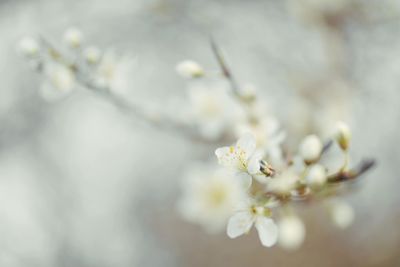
(224, 68)
(305, 194)
(362, 168)
(328, 144)
(121, 103)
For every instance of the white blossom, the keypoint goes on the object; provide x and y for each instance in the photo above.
(245, 159)
(237, 157)
(310, 148)
(212, 109)
(114, 72)
(73, 37)
(316, 175)
(291, 232)
(210, 196)
(247, 91)
(342, 214)
(343, 135)
(92, 54)
(259, 168)
(247, 215)
(28, 47)
(60, 80)
(283, 182)
(189, 69)
(266, 132)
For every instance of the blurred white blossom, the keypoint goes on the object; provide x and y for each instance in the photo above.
(212, 109)
(266, 131)
(60, 81)
(28, 47)
(92, 54)
(283, 182)
(291, 232)
(342, 214)
(317, 175)
(343, 135)
(189, 69)
(73, 37)
(310, 148)
(114, 72)
(210, 196)
(248, 214)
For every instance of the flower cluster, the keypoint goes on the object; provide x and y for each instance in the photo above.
(73, 64)
(272, 176)
(258, 179)
(268, 190)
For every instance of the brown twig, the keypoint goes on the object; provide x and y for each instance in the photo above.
(121, 103)
(224, 68)
(362, 168)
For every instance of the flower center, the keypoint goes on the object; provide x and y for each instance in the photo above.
(217, 196)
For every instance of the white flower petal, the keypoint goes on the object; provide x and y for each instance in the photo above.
(254, 162)
(310, 148)
(278, 139)
(189, 69)
(261, 178)
(220, 152)
(316, 175)
(239, 224)
(267, 231)
(245, 179)
(284, 182)
(227, 157)
(247, 143)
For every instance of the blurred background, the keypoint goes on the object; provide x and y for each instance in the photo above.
(83, 185)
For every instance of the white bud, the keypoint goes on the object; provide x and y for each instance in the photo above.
(291, 232)
(283, 182)
(343, 135)
(73, 37)
(342, 214)
(92, 55)
(248, 91)
(28, 47)
(310, 149)
(189, 69)
(62, 78)
(316, 175)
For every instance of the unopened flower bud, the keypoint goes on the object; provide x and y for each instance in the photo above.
(73, 37)
(291, 232)
(92, 55)
(283, 182)
(248, 92)
(62, 78)
(266, 169)
(28, 47)
(316, 175)
(189, 69)
(342, 214)
(343, 135)
(310, 149)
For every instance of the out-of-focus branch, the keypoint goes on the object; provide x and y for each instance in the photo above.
(362, 168)
(327, 146)
(125, 106)
(224, 68)
(304, 194)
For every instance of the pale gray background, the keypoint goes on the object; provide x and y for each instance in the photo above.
(81, 185)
